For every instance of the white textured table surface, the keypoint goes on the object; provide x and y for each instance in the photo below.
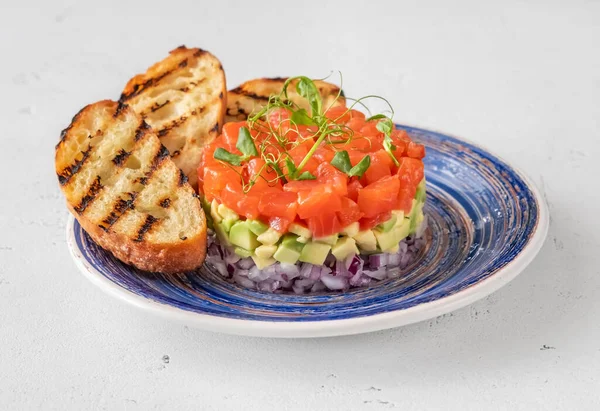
(521, 79)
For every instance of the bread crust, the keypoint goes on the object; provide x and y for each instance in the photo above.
(163, 258)
(254, 94)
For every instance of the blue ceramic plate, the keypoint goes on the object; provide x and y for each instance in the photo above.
(486, 224)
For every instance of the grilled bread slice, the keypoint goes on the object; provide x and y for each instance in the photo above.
(183, 98)
(254, 95)
(126, 192)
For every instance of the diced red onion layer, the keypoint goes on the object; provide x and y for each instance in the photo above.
(305, 282)
(257, 275)
(289, 270)
(305, 270)
(325, 270)
(243, 281)
(298, 290)
(340, 270)
(355, 280)
(315, 272)
(268, 285)
(356, 265)
(221, 267)
(378, 274)
(393, 259)
(231, 258)
(335, 282)
(378, 260)
(301, 278)
(245, 263)
(348, 262)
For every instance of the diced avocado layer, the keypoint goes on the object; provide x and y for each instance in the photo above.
(289, 250)
(257, 227)
(366, 240)
(242, 252)
(388, 225)
(330, 239)
(265, 251)
(416, 211)
(262, 262)
(214, 213)
(314, 253)
(385, 241)
(255, 239)
(241, 236)
(399, 215)
(269, 237)
(206, 208)
(291, 240)
(394, 249)
(421, 193)
(403, 231)
(226, 213)
(222, 234)
(351, 230)
(299, 230)
(344, 248)
(227, 224)
(286, 255)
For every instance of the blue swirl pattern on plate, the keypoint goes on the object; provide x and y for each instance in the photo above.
(481, 215)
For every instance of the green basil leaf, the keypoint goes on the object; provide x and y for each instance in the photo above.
(388, 144)
(306, 176)
(362, 166)
(245, 143)
(290, 166)
(341, 161)
(301, 118)
(307, 89)
(386, 126)
(226, 156)
(278, 170)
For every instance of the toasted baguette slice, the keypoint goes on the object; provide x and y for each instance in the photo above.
(126, 192)
(183, 98)
(253, 95)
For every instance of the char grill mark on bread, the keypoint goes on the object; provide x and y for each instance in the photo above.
(117, 211)
(165, 202)
(65, 175)
(146, 226)
(120, 158)
(120, 107)
(141, 130)
(182, 178)
(90, 196)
